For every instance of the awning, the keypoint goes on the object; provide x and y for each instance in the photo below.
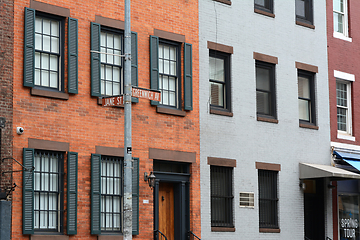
(309, 170)
(347, 155)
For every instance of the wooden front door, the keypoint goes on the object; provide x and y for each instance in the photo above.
(166, 209)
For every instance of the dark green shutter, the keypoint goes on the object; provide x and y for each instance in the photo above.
(72, 173)
(95, 60)
(135, 197)
(72, 55)
(188, 77)
(28, 191)
(134, 63)
(29, 47)
(154, 65)
(95, 193)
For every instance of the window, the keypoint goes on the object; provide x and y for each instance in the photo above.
(304, 11)
(48, 193)
(107, 189)
(169, 74)
(48, 52)
(111, 42)
(306, 97)
(43, 191)
(44, 47)
(221, 196)
(111, 193)
(343, 102)
(265, 89)
(264, 5)
(166, 68)
(219, 71)
(340, 17)
(268, 199)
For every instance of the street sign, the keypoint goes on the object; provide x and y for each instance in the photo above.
(113, 101)
(154, 95)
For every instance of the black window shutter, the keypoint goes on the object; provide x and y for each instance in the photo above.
(95, 60)
(28, 191)
(29, 47)
(72, 55)
(188, 105)
(135, 197)
(72, 173)
(95, 193)
(134, 63)
(154, 65)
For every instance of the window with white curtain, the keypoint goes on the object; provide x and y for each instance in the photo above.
(47, 52)
(111, 42)
(111, 193)
(343, 103)
(169, 65)
(47, 190)
(340, 17)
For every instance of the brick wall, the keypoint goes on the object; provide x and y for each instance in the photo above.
(84, 124)
(6, 89)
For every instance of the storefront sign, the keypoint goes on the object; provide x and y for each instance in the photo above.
(349, 226)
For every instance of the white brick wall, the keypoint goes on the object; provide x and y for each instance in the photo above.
(247, 140)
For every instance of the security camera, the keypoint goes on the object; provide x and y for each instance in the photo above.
(19, 130)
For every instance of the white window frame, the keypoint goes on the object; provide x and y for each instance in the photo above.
(345, 34)
(346, 78)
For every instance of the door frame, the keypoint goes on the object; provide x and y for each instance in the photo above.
(183, 181)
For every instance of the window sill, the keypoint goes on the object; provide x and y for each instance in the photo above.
(267, 119)
(264, 13)
(305, 24)
(308, 125)
(49, 94)
(220, 112)
(269, 230)
(341, 36)
(46, 237)
(222, 229)
(170, 111)
(224, 1)
(345, 136)
(110, 237)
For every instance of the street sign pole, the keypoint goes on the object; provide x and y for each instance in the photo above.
(127, 234)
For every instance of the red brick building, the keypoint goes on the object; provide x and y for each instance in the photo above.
(72, 147)
(343, 60)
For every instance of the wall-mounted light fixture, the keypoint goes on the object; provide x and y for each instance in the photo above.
(150, 179)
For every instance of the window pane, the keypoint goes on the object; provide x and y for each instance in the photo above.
(116, 74)
(217, 94)
(108, 73)
(55, 28)
(53, 63)
(260, 2)
(263, 79)
(38, 42)
(304, 110)
(166, 67)
(55, 45)
(263, 102)
(165, 97)
(338, 22)
(53, 79)
(46, 43)
(341, 119)
(338, 5)
(46, 26)
(45, 61)
(304, 87)
(172, 97)
(45, 78)
(172, 84)
(341, 94)
(109, 88)
(38, 25)
(217, 69)
(300, 8)
(116, 89)
(37, 77)
(349, 216)
(103, 39)
(103, 56)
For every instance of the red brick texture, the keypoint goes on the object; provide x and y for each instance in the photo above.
(84, 124)
(6, 90)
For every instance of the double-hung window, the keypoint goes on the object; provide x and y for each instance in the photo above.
(43, 192)
(343, 103)
(221, 196)
(268, 198)
(340, 13)
(264, 5)
(306, 97)
(107, 58)
(166, 68)
(219, 78)
(265, 89)
(111, 43)
(44, 48)
(304, 11)
(107, 188)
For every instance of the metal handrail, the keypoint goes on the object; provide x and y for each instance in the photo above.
(190, 232)
(327, 238)
(306, 238)
(162, 235)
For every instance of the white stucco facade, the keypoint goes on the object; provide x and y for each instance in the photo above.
(242, 136)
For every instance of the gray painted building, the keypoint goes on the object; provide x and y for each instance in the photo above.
(249, 119)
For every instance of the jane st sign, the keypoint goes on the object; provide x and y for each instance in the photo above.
(154, 95)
